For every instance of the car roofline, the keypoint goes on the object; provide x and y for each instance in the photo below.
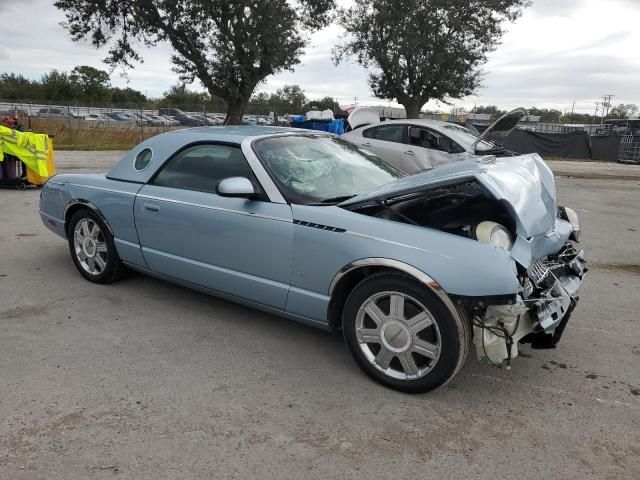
(417, 121)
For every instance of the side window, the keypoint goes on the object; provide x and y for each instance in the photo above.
(202, 167)
(423, 137)
(368, 133)
(387, 133)
(142, 159)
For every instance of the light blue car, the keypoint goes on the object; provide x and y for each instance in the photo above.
(414, 270)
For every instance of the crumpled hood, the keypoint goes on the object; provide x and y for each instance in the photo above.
(525, 183)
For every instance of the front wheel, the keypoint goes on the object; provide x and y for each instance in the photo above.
(92, 248)
(402, 335)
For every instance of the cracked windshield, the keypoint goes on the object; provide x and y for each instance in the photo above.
(318, 169)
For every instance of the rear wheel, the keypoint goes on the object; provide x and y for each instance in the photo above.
(92, 248)
(402, 335)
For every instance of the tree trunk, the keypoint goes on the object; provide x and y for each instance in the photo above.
(413, 109)
(235, 111)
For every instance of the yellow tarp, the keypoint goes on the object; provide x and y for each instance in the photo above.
(35, 150)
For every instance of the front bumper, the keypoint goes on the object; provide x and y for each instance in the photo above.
(56, 225)
(541, 310)
(558, 280)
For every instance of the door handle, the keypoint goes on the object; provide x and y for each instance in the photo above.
(410, 152)
(366, 144)
(151, 207)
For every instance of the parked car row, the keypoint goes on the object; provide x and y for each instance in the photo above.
(165, 117)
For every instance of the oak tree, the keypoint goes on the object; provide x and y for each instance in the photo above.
(230, 47)
(624, 111)
(92, 84)
(421, 50)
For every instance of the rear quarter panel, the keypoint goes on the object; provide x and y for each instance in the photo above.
(113, 199)
(52, 205)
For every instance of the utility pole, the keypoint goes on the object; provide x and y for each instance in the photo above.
(606, 105)
(355, 101)
(595, 114)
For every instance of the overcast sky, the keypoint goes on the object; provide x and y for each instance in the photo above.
(558, 52)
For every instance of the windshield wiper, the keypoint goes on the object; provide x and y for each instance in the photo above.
(339, 199)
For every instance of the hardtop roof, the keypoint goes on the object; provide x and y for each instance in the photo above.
(166, 144)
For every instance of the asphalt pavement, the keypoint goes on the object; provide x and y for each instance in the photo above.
(143, 379)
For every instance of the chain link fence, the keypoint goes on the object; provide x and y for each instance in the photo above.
(629, 149)
(108, 126)
(121, 126)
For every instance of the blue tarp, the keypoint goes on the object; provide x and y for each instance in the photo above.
(333, 126)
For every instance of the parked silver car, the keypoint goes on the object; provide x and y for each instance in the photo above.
(53, 112)
(415, 145)
(162, 121)
(414, 270)
(96, 118)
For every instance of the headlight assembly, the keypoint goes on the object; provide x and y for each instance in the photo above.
(494, 234)
(571, 216)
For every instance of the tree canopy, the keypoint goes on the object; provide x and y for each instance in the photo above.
(624, 111)
(489, 109)
(324, 103)
(127, 96)
(421, 50)
(291, 99)
(547, 115)
(179, 96)
(93, 83)
(84, 85)
(288, 99)
(230, 47)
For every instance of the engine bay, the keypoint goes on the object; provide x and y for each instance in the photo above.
(455, 209)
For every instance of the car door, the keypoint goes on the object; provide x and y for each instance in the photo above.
(238, 246)
(431, 148)
(386, 141)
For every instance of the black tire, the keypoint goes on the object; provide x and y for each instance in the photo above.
(113, 269)
(452, 332)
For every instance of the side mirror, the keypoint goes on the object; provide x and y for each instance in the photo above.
(236, 187)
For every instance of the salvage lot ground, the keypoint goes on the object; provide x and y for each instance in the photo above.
(146, 380)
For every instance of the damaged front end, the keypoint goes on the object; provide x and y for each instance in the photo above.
(507, 203)
(539, 312)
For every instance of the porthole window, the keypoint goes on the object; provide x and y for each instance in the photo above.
(143, 159)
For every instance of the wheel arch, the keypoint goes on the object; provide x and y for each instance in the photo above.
(79, 204)
(350, 275)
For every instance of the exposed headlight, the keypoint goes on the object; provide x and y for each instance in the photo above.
(494, 234)
(572, 217)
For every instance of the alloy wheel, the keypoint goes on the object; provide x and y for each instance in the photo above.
(90, 246)
(398, 335)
